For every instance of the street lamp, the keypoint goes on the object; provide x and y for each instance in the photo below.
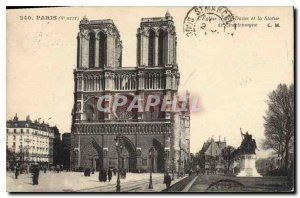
(183, 167)
(178, 173)
(173, 166)
(151, 152)
(119, 150)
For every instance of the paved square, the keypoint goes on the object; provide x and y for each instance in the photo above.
(77, 182)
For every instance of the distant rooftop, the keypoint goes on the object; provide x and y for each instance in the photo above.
(28, 123)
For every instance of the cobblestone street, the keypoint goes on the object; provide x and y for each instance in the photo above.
(77, 182)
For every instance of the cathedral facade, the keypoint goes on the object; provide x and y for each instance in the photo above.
(99, 73)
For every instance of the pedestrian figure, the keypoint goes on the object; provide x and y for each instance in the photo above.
(85, 172)
(17, 171)
(35, 175)
(104, 175)
(109, 174)
(93, 170)
(45, 169)
(101, 175)
(167, 180)
(115, 172)
(125, 174)
(122, 173)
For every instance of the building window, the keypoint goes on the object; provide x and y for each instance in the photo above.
(151, 48)
(78, 50)
(91, 50)
(7, 131)
(22, 131)
(14, 137)
(139, 49)
(15, 130)
(102, 49)
(161, 47)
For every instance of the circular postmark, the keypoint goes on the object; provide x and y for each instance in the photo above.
(203, 20)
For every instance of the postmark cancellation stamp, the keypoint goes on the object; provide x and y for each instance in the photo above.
(203, 20)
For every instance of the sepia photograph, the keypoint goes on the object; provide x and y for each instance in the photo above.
(194, 99)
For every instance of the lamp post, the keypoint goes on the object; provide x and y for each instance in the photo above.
(173, 166)
(183, 167)
(119, 150)
(151, 151)
(178, 173)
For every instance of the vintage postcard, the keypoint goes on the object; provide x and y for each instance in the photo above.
(150, 99)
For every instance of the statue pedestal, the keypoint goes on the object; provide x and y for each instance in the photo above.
(247, 166)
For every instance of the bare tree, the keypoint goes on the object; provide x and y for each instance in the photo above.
(228, 155)
(279, 122)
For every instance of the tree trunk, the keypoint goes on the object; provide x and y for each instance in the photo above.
(281, 158)
(286, 157)
(228, 166)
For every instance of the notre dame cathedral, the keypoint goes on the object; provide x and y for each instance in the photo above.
(99, 72)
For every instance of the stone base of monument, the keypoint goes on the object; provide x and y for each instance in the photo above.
(247, 166)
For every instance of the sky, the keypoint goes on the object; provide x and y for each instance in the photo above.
(232, 75)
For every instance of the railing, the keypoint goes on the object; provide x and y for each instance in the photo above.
(179, 186)
(122, 120)
(126, 68)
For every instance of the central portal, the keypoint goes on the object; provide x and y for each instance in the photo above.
(128, 156)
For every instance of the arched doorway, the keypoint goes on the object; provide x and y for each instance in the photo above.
(128, 155)
(91, 155)
(160, 158)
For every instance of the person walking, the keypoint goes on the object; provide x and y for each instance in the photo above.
(17, 171)
(104, 174)
(57, 168)
(33, 170)
(167, 180)
(35, 175)
(109, 174)
(125, 171)
(45, 169)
